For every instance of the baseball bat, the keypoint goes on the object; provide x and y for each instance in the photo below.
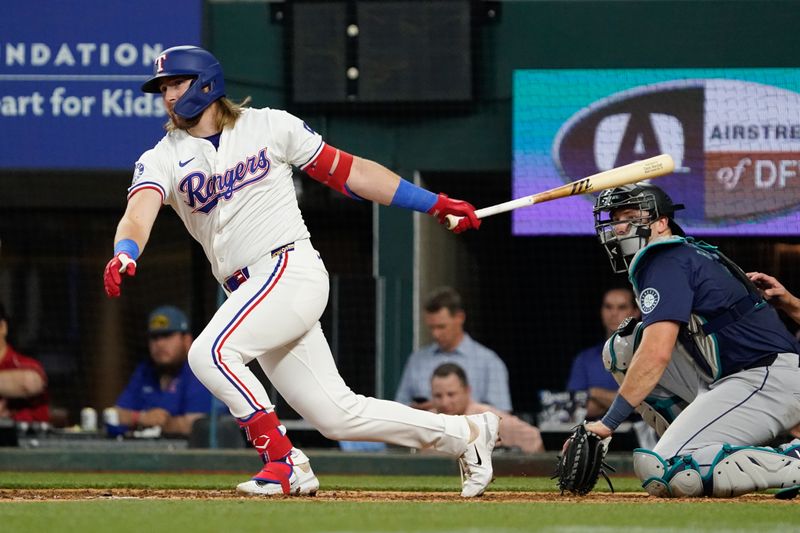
(652, 167)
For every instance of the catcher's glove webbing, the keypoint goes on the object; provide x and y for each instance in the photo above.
(582, 462)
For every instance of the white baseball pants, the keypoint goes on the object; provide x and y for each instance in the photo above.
(274, 317)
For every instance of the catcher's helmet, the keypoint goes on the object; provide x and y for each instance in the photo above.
(651, 202)
(209, 83)
(642, 196)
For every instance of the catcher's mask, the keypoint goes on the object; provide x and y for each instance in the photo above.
(207, 87)
(623, 239)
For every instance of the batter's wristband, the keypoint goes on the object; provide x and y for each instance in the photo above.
(128, 247)
(619, 411)
(410, 196)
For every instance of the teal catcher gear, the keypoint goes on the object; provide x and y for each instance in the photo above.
(736, 470)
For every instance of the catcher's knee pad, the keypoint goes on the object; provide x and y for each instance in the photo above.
(619, 348)
(660, 412)
(680, 477)
(737, 470)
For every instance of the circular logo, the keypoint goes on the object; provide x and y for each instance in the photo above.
(138, 170)
(648, 300)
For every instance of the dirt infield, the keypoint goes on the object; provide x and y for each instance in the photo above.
(10, 495)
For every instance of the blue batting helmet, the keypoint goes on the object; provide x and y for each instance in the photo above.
(208, 86)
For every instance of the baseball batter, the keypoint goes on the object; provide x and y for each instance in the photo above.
(708, 337)
(227, 172)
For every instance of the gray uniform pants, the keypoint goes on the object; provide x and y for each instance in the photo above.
(748, 408)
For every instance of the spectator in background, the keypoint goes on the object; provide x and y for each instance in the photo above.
(163, 392)
(23, 382)
(444, 317)
(452, 395)
(587, 372)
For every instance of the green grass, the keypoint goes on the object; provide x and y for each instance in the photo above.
(300, 515)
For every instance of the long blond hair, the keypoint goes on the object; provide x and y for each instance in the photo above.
(227, 113)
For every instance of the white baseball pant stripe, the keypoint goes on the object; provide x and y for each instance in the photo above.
(281, 330)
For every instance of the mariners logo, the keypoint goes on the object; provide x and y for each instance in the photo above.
(648, 300)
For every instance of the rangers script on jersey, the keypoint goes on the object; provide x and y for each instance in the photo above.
(224, 196)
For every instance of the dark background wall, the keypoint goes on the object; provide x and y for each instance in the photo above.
(534, 300)
(249, 40)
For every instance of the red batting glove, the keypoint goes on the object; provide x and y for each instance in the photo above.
(112, 276)
(448, 206)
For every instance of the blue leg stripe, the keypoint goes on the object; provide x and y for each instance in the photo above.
(246, 394)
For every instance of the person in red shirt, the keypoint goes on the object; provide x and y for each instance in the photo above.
(23, 383)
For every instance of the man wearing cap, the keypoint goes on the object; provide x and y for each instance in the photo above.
(163, 391)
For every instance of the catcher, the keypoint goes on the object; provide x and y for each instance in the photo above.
(711, 366)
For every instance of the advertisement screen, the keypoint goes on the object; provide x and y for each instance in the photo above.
(70, 78)
(734, 135)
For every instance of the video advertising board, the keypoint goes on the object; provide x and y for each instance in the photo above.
(734, 135)
(70, 76)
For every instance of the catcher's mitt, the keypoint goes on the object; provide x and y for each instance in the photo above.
(582, 462)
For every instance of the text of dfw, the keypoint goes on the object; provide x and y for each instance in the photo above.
(766, 173)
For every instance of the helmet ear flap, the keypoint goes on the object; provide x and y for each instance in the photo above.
(205, 90)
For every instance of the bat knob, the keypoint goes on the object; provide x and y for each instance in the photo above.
(451, 221)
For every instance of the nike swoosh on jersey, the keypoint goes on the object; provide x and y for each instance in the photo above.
(184, 163)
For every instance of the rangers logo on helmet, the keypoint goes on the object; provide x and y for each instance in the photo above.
(160, 63)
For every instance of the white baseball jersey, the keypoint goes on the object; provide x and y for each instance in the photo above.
(239, 202)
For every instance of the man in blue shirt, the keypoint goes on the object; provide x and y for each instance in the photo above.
(707, 335)
(587, 372)
(486, 372)
(163, 391)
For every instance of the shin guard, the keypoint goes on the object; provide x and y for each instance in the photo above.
(741, 469)
(268, 437)
(677, 478)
